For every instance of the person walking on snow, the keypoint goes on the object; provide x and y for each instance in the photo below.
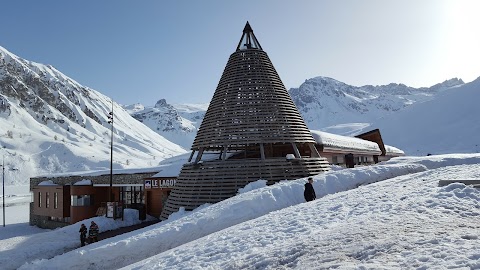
(83, 234)
(309, 192)
(93, 232)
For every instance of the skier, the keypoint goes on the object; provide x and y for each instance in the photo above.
(309, 192)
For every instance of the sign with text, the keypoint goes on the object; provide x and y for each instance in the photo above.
(160, 183)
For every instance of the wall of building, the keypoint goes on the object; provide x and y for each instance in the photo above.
(339, 158)
(47, 205)
(45, 223)
(66, 214)
(154, 201)
(97, 195)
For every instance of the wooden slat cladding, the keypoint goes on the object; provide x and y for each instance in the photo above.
(214, 181)
(250, 128)
(251, 105)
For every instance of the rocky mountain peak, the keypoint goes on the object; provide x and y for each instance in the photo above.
(161, 103)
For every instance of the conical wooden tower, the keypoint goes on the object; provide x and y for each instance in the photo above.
(252, 130)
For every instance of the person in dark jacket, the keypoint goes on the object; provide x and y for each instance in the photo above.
(83, 234)
(93, 232)
(309, 192)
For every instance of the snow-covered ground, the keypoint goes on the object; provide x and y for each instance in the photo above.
(24, 242)
(392, 215)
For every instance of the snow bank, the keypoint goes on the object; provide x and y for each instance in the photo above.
(135, 246)
(53, 242)
(437, 161)
(253, 185)
(406, 222)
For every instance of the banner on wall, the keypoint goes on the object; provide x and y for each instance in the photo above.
(159, 183)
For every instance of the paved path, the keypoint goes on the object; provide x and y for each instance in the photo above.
(112, 233)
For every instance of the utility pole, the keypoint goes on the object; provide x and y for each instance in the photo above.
(111, 155)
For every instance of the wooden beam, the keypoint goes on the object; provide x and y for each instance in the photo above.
(199, 155)
(262, 151)
(191, 156)
(313, 150)
(224, 152)
(295, 150)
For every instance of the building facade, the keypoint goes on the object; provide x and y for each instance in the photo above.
(62, 200)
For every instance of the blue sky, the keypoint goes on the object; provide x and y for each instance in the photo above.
(142, 51)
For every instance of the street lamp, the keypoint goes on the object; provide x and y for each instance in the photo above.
(110, 116)
(3, 187)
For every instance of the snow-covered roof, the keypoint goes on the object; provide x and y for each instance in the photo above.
(170, 170)
(390, 150)
(340, 142)
(83, 182)
(47, 183)
(104, 172)
(171, 167)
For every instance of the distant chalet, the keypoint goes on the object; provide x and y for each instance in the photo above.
(252, 130)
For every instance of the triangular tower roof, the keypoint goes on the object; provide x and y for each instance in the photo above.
(248, 40)
(250, 104)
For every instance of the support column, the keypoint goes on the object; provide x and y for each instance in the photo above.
(262, 151)
(224, 152)
(191, 156)
(295, 150)
(199, 155)
(313, 150)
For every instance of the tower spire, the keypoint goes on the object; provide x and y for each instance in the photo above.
(248, 40)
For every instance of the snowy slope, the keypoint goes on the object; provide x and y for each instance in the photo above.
(402, 223)
(447, 123)
(346, 227)
(50, 123)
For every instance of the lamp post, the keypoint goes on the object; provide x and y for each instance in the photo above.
(3, 188)
(110, 116)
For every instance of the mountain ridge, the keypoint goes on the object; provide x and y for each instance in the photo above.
(324, 103)
(50, 123)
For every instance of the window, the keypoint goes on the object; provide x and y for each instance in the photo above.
(82, 200)
(47, 200)
(132, 195)
(55, 200)
(334, 160)
(39, 199)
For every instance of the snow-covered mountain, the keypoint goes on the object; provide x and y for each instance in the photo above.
(446, 124)
(178, 123)
(325, 104)
(50, 123)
